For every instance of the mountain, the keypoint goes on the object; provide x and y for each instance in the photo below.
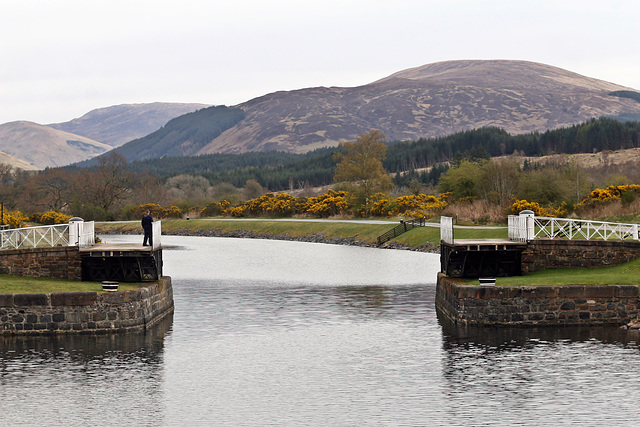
(7, 159)
(184, 135)
(119, 124)
(42, 146)
(429, 101)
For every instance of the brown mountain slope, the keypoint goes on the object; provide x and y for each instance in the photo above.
(43, 146)
(7, 159)
(119, 124)
(429, 101)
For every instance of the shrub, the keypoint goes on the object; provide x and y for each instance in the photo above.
(173, 212)
(15, 219)
(328, 204)
(521, 205)
(50, 218)
(600, 197)
(215, 209)
(419, 205)
(156, 210)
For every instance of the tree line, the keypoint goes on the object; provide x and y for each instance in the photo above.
(112, 187)
(281, 171)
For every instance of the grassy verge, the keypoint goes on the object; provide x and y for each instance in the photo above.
(29, 285)
(622, 274)
(364, 232)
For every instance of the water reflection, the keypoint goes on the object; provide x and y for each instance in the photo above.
(301, 355)
(540, 376)
(284, 334)
(83, 379)
(503, 338)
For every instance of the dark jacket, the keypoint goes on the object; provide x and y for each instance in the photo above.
(146, 221)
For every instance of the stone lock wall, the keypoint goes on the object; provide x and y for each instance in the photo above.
(536, 305)
(61, 262)
(543, 254)
(85, 312)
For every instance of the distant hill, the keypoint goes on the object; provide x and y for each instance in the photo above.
(424, 102)
(184, 135)
(42, 146)
(10, 160)
(119, 124)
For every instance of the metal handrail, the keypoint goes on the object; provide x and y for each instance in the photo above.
(523, 228)
(399, 229)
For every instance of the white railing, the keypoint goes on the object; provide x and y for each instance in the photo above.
(446, 229)
(34, 237)
(519, 227)
(156, 233)
(523, 228)
(78, 233)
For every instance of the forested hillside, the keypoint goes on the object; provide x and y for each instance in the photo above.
(468, 184)
(281, 171)
(184, 135)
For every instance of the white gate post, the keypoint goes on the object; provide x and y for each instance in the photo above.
(530, 223)
(74, 230)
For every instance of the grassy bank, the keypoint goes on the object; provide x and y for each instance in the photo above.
(622, 274)
(367, 233)
(30, 285)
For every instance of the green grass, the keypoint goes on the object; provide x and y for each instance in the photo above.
(622, 274)
(29, 285)
(633, 218)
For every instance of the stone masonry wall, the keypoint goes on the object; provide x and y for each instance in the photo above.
(85, 312)
(557, 253)
(536, 305)
(61, 262)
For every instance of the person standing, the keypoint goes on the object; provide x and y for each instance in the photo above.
(147, 221)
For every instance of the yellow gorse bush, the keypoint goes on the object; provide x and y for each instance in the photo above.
(282, 204)
(419, 205)
(609, 194)
(216, 209)
(378, 205)
(522, 205)
(50, 218)
(157, 211)
(328, 204)
(15, 219)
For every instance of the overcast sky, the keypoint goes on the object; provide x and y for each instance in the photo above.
(59, 59)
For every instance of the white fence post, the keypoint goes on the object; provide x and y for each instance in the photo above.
(156, 233)
(446, 229)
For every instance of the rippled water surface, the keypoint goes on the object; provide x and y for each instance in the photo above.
(284, 333)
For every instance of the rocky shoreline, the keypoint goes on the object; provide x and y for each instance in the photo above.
(312, 238)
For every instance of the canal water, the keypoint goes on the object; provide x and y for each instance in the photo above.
(287, 333)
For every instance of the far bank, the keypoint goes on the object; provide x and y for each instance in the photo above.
(344, 232)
